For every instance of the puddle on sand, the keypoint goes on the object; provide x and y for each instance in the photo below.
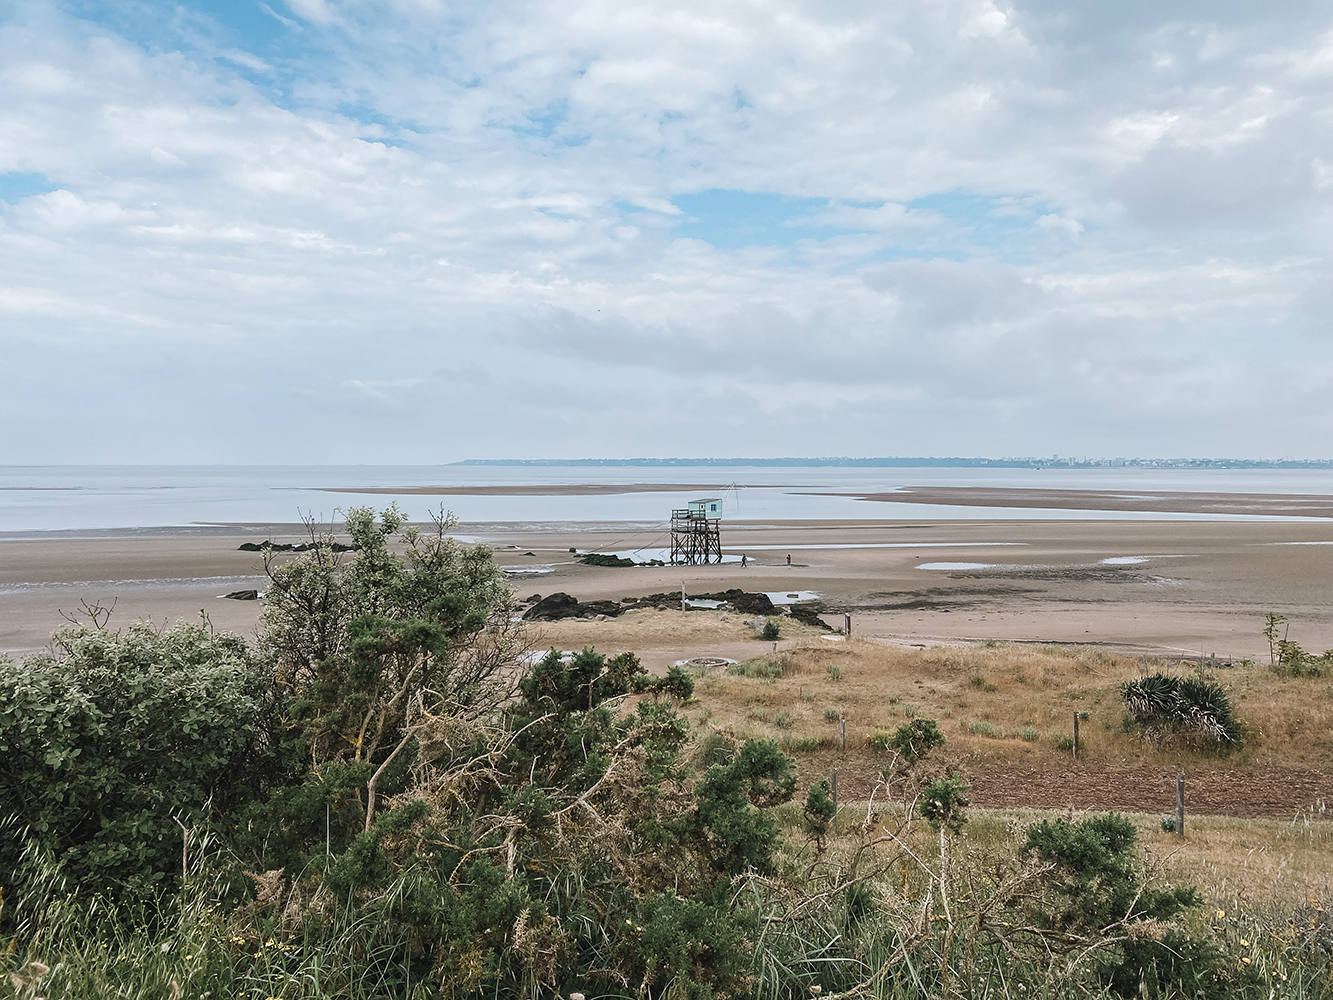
(962, 565)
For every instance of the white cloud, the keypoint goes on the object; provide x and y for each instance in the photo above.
(464, 218)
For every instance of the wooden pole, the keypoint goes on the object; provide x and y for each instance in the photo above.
(847, 625)
(842, 729)
(185, 850)
(682, 596)
(1180, 804)
(834, 783)
(1076, 736)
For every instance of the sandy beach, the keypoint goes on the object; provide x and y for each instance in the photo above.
(1174, 587)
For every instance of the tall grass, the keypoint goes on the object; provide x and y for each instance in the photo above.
(201, 941)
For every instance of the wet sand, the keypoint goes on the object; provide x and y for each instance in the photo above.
(1154, 501)
(553, 489)
(1173, 587)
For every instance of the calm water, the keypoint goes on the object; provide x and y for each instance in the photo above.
(48, 498)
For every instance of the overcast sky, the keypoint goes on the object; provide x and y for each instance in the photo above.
(420, 231)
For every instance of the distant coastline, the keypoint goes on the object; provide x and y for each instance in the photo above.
(913, 463)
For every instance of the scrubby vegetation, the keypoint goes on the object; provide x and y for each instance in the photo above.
(1191, 705)
(374, 800)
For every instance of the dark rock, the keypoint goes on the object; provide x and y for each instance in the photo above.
(598, 559)
(558, 606)
(553, 608)
(808, 614)
(746, 604)
(242, 595)
(267, 546)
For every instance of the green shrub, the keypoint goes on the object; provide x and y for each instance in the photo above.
(1029, 735)
(1183, 704)
(1097, 887)
(819, 812)
(832, 714)
(982, 729)
(942, 803)
(834, 672)
(912, 741)
(1293, 661)
(112, 737)
(772, 632)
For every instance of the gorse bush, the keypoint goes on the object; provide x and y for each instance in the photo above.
(911, 741)
(1095, 886)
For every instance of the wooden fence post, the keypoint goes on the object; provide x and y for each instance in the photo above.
(1180, 804)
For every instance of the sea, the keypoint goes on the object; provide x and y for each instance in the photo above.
(185, 499)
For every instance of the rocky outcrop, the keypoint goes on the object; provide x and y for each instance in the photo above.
(267, 546)
(558, 606)
(736, 600)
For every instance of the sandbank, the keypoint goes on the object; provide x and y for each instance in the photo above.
(1170, 587)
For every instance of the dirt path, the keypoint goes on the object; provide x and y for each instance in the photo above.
(1243, 792)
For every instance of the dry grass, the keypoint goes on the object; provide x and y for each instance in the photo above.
(1265, 863)
(1004, 688)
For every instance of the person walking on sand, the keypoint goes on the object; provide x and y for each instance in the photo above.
(788, 558)
(742, 560)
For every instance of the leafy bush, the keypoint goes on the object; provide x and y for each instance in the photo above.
(1029, 734)
(1293, 661)
(982, 729)
(911, 741)
(832, 714)
(771, 631)
(116, 738)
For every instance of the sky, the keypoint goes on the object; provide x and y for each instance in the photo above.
(415, 231)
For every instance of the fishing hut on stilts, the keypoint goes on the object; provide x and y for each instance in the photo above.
(696, 536)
